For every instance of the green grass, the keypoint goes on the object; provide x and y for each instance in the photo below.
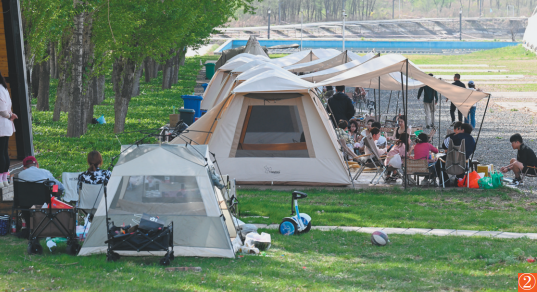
(498, 210)
(317, 261)
(149, 110)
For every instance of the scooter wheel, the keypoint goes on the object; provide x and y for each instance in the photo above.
(288, 227)
(308, 227)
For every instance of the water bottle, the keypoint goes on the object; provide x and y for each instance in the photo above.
(14, 225)
(23, 224)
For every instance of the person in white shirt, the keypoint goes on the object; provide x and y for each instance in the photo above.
(375, 133)
(7, 128)
(381, 141)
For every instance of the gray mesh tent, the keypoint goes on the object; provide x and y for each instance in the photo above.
(174, 183)
(252, 47)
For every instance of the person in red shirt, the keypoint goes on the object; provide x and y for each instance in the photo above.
(422, 150)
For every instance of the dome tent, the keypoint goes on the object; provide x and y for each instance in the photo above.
(172, 182)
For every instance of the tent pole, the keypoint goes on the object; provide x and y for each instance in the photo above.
(375, 100)
(397, 104)
(480, 126)
(380, 114)
(390, 100)
(440, 121)
(406, 111)
(406, 127)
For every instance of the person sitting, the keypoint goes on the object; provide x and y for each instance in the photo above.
(457, 128)
(422, 149)
(525, 157)
(94, 175)
(469, 142)
(328, 93)
(353, 132)
(32, 172)
(381, 142)
(375, 133)
(400, 148)
(340, 106)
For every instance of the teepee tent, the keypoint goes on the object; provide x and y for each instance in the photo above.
(172, 182)
(253, 47)
(530, 35)
(272, 130)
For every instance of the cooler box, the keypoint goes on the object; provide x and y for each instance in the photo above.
(193, 102)
(187, 115)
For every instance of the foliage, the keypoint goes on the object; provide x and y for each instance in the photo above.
(494, 210)
(317, 261)
(149, 110)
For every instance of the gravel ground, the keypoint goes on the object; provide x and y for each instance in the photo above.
(493, 146)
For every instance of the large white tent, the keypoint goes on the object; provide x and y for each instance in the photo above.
(325, 63)
(530, 35)
(272, 130)
(331, 72)
(172, 182)
(366, 74)
(305, 56)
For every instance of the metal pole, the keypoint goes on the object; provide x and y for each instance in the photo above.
(390, 100)
(268, 33)
(301, 30)
(480, 126)
(440, 122)
(460, 24)
(279, 13)
(380, 115)
(406, 110)
(393, 9)
(343, 30)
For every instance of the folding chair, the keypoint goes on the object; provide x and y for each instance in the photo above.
(417, 168)
(374, 158)
(89, 197)
(456, 162)
(357, 158)
(526, 174)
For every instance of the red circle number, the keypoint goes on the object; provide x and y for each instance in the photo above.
(526, 282)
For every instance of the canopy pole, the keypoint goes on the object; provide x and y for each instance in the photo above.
(397, 104)
(375, 102)
(388, 109)
(440, 121)
(406, 127)
(406, 113)
(480, 126)
(380, 114)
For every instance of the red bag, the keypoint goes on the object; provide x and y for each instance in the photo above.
(474, 178)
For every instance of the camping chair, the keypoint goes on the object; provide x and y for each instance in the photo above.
(526, 174)
(89, 197)
(355, 158)
(417, 168)
(374, 158)
(29, 196)
(455, 162)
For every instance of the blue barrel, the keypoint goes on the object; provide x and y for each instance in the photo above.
(204, 85)
(193, 102)
(4, 224)
(187, 115)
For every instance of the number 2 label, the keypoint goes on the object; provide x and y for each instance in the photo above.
(527, 282)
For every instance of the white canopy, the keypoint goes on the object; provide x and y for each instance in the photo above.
(331, 72)
(272, 81)
(530, 36)
(364, 58)
(253, 47)
(234, 63)
(366, 74)
(260, 69)
(247, 55)
(248, 66)
(320, 64)
(305, 56)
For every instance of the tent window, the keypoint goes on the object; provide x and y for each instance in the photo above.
(159, 195)
(272, 131)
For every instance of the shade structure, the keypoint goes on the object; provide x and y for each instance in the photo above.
(320, 64)
(331, 72)
(272, 130)
(305, 56)
(253, 47)
(260, 69)
(530, 35)
(366, 74)
(253, 57)
(172, 182)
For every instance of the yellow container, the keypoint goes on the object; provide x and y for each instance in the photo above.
(487, 169)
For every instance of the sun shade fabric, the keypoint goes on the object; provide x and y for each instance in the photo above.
(355, 57)
(272, 81)
(305, 56)
(232, 64)
(248, 66)
(365, 74)
(263, 135)
(319, 64)
(260, 69)
(530, 35)
(331, 72)
(273, 96)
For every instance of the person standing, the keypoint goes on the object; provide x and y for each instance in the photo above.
(470, 119)
(453, 108)
(340, 106)
(428, 95)
(6, 129)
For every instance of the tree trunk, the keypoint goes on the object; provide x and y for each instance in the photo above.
(156, 68)
(147, 70)
(137, 77)
(166, 71)
(35, 81)
(44, 87)
(100, 89)
(123, 76)
(52, 60)
(76, 120)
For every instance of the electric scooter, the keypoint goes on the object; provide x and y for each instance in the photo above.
(300, 222)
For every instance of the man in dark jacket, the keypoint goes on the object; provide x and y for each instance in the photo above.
(428, 95)
(453, 108)
(524, 158)
(469, 142)
(340, 106)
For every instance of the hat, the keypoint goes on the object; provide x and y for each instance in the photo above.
(470, 82)
(29, 161)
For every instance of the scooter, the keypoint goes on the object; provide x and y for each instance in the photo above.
(300, 222)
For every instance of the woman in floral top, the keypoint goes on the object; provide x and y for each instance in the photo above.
(94, 175)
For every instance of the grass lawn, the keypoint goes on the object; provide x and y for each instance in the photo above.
(317, 261)
(498, 210)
